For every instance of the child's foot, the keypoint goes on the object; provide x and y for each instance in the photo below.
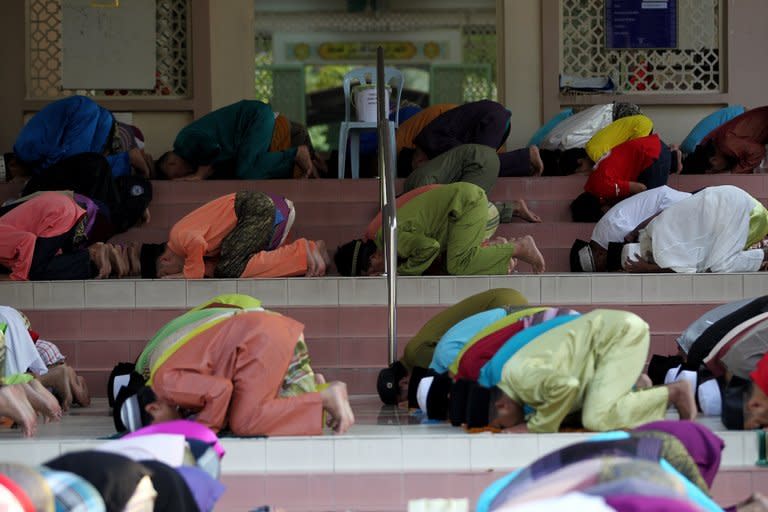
(99, 253)
(537, 164)
(15, 405)
(42, 401)
(57, 379)
(520, 209)
(117, 261)
(526, 250)
(79, 387)
(681, 398)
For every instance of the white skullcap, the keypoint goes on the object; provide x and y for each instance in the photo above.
(423, 391)
(710, 400)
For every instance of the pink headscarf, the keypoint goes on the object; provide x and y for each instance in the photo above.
(187, 428)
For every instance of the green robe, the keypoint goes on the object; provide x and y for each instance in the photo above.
(589, 364)
(448, 221)
(235, 140)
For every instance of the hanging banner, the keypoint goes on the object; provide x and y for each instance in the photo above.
(631, 24)
(426, 46)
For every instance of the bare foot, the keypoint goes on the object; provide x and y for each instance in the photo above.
(42, 401)
(643, 382)
(512, 265)
(100, 256)
(57, 379)
(319, 261)
(311, 262)
(79, 387)
(520, 209)
(134, 260)
(498, 241)
(118, 261)
(336, 403)
(681, 398)
(526, 250)
(319, 379)
(537, 164)
(15, 405)
(677, 160)
(304, 161)
(756, 503)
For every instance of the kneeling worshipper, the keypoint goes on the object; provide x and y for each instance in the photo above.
(392, 382)
(234, 142)
(470, 350)
(711, 231)
(40, 240)
(72, 126)
(631, 167)
(448, 221)
(665, 466)
(612, 229)
(588, 365)
(243, 234)
(233, 365)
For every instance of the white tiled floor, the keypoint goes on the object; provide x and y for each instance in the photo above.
(384, 439)
(332, 291)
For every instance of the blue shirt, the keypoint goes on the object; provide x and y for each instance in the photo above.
(459, 335)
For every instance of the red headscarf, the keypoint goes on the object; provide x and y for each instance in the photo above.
(760, 375)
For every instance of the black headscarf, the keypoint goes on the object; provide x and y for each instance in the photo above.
(354, 257)
(172, 491)
(148, 258)
(114, 476)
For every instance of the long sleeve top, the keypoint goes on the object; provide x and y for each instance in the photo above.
(611, 176)
(554, 372)
(410, 129)
(199, 234)
(235, 140)
(426, 225)
(710, 231)
(46, 215)
(743, 138)
(231, 374)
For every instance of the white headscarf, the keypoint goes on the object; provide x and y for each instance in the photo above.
(20, 352)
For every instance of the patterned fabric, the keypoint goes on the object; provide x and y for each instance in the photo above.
(674, 452)
(299, 378)
(3, 326)
(253, 233)
(49, 352)
(72, 493)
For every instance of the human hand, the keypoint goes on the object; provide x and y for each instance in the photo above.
(140, 161)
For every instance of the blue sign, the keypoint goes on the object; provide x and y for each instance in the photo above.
(640, 24)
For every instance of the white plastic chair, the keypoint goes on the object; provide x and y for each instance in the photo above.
(350, 129)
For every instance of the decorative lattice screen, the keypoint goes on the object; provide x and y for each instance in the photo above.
(693, 67)
(45, 54)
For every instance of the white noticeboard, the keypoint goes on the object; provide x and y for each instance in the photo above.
(108, 44)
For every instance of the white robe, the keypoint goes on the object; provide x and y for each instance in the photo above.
(575, 131)
(20, 352)
(706, 232)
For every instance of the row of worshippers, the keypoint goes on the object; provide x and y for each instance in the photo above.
(247, 234)
(661, 466)
(168, 467)
(494, 362)
(716, 229)
(35, 379)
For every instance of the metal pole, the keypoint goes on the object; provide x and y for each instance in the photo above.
(388, 210)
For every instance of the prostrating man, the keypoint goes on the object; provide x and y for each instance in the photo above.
(448, 221)
(72, 126)
(482, 122)
(589, 364)
(711, 231)
(392, 384)
(233, 142)
(631, 167)
(39, 240)
(737, 146)
(243, 234)
(610, 232)
(234, 365)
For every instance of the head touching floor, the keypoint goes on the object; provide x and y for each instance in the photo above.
(359, 258)
(720, 162)
(589, 257)
(158, 261)
(492, 408)
(171, 166)
(392, 384)
(433, 396)
(142, 408)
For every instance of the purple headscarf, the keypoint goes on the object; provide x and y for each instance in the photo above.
(638, 503)
(704, 447)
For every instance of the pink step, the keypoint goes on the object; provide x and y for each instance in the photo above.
(392, 491)
(347, 343)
